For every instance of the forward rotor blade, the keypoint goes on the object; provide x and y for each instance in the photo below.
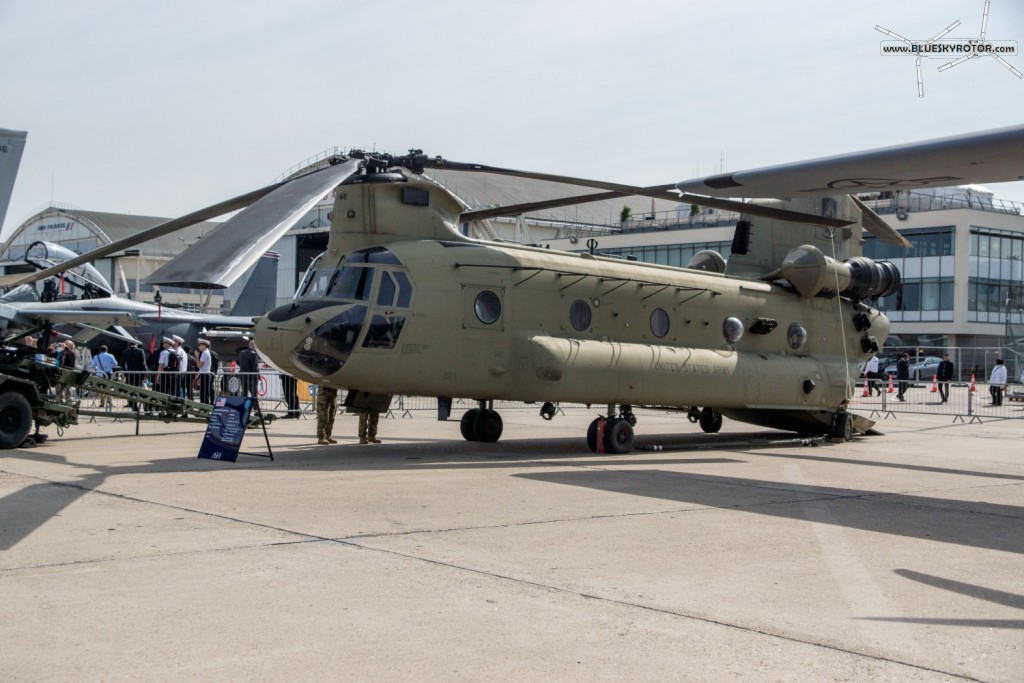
(656, 191)
(227, 251)
(874, 224)
(160, 230)
(445, 164)
(530, 207)
(620, 190)
(687, 198)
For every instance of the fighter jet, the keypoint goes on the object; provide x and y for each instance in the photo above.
(84, 304)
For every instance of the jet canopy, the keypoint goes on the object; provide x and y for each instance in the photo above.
(83, 278)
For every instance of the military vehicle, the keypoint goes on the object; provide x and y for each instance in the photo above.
(403, 302)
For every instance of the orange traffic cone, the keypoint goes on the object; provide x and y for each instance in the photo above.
(935, 384)
(973, 387)
(867, 391)
(891, 387)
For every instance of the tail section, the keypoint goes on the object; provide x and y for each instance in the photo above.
(12, 143)
(260, 292)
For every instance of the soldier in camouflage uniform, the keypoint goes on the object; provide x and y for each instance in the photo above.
(368, 426)
(326, 407)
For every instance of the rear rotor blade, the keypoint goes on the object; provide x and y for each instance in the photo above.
(874, 224)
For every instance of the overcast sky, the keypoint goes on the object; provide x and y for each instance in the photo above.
(163, 108)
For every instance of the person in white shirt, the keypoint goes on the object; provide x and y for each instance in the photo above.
(182, 366)
(166, 371)
(997, 382)
(205, 372)
(871, 373)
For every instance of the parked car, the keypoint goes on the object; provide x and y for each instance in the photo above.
(924, 368)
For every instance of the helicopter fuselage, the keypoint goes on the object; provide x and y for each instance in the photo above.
(405, 304)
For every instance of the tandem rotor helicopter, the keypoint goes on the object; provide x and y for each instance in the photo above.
(402, 302)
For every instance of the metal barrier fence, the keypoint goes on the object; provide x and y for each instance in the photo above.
(269, 387)
(965, 401)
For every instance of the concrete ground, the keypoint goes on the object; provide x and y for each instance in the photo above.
(895, 557)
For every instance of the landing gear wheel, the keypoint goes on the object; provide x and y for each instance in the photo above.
(842, 427)
(693, 414)
(710, 421)
(618, 436)
(487, 426)
(466, 425)
(592, 435)
(15, 419)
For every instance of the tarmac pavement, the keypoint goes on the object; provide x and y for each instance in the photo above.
(722, 557)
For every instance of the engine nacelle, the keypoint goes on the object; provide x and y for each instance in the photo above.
(812, 274)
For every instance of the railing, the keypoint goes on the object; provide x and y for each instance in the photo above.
(919, 201)
(963, 400)
(270, 387)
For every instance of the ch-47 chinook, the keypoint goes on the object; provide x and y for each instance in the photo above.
(402, 302)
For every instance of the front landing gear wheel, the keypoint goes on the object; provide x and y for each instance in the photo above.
(487, 426)
(466, 425)
(618, 436)
(710, 421)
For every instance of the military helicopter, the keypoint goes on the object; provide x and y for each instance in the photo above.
(402, 302)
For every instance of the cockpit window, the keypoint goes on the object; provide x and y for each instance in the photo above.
(314, 282)
(327, 349)
(352, 282)
(386, 291)
(383, 332)
(21, 293)
(404, 289)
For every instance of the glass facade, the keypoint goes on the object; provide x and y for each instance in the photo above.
(926, 269)
(670, 254)
(995, 281)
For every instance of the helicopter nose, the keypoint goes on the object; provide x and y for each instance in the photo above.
(316, 336)
(283, 328)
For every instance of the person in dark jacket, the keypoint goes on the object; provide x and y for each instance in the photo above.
(249, 367)
(902, 376)
(945, 376)
(134, 361)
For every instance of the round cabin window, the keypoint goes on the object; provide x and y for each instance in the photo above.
(579, 315)
(487, 307)
(659, 322)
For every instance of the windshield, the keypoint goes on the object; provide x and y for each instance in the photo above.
(84, 277)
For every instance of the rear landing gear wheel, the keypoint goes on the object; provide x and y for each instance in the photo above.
(710, 420)
(842, 427)
(466, 425)
(487, 426)
(592, 435)
(618, 436)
